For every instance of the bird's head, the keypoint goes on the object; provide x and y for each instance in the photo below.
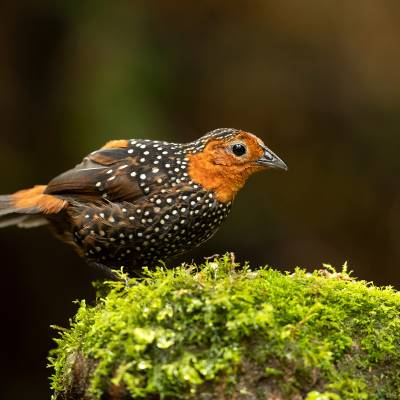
(224, 159)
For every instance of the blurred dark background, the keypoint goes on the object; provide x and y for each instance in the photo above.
(318, 80)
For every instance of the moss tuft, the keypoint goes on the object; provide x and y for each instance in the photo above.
(220, 331)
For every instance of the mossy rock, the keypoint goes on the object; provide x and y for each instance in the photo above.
(221, 331)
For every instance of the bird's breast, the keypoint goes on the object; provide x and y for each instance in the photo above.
(139, 233)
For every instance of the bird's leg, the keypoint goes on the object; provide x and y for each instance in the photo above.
(110, 274)
(106, 270)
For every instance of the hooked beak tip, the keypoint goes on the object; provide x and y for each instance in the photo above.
(270, 159)
(281, 165)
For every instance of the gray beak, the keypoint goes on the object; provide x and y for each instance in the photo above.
(270, 159)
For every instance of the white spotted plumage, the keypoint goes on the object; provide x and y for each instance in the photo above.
(171, 215)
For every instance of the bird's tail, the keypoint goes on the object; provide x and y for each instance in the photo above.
(27, 208)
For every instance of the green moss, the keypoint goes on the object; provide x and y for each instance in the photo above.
(219, 330)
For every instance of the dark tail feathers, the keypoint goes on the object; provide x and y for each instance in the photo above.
(27, 208)
(10, 215)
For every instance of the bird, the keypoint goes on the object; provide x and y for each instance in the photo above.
(134, 202)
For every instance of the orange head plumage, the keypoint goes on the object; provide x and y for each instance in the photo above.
(227, 160)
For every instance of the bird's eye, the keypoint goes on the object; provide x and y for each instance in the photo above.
(239, 149)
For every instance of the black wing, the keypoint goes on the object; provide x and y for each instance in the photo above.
(115, 174)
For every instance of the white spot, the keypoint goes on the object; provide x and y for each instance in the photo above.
(167, 165)
(131, 217)
(154, 170)
(98, 184)
(143, 146)
(130, 151)
(158, 201)
(142, 176)
(157, 209)
(111, 219)
(123, 166)
(140, 234)
(183, 209)
(111, 178)
(159, 180)
(101, 215)
(169, 200)
(110, 171)
(133, 173)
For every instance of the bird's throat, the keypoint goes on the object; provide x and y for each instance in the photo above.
(224, 181)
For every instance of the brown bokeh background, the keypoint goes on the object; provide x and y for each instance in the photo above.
(318, 80)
